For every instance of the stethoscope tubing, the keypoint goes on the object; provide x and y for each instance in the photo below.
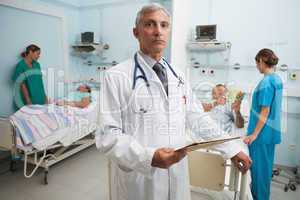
(143, 76)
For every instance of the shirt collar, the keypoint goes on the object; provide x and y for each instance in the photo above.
(150, 61)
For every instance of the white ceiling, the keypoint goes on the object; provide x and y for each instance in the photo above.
(87, 3)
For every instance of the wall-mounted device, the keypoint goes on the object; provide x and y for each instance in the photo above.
(283, 67)
(87, 37)
(206, 32)
(293, 76)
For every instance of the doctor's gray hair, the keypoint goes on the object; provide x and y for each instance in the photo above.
(149, 9)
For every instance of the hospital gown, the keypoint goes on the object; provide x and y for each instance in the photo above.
(223, 116)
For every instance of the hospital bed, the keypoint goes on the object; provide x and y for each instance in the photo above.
(210, 174)
(214, 178)
(50, 150)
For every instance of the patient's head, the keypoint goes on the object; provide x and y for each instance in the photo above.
(219, 93)
(84, 88)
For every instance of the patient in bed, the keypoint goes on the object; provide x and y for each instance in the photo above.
(224, 112)
(80, 98)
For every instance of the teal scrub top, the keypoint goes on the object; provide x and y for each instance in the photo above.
(32, 77)
(268, 93)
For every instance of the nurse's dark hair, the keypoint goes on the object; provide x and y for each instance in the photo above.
(149, 9)
(29, 48)
(267, 56)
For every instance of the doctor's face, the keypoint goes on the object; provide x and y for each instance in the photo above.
(153, 32)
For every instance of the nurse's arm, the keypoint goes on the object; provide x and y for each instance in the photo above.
(47, 101)
(263, 116)
(25, 93)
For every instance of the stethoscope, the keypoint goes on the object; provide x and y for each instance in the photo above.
(143, 76)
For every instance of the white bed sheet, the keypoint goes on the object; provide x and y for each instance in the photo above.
(66, 136)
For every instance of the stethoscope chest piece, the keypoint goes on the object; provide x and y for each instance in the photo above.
(143, 97)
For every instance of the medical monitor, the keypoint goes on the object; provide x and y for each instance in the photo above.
(87, 37)
(206, 32)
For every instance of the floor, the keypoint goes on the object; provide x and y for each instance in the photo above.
(83, 176)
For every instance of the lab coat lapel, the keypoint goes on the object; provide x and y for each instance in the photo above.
(174, 91)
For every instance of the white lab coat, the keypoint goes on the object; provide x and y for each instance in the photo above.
(130, 136)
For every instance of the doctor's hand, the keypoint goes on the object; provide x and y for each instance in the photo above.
(165, 157)
(242, 161)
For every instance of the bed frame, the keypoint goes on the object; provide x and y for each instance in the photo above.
(207, 170)
(38, 158)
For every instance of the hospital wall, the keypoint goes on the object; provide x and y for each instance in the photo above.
(23, 27)
(112, 23)
(248, 26)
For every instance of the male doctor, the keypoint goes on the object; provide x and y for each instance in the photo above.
(145, 109)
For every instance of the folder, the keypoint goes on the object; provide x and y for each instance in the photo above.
(206, 144)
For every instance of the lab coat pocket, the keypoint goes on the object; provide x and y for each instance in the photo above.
(177, 99)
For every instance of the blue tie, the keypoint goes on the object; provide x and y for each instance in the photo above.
(162, 75)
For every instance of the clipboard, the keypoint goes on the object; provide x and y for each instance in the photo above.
(206, 144)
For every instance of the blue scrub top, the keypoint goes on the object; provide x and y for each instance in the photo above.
(268, 93)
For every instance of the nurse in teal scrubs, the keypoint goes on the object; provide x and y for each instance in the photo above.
(27, 77)
(264, 126)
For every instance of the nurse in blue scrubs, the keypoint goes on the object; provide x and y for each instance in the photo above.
(264, 126)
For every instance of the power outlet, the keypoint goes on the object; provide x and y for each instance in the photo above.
(292, 147)
(293, 76)
(211, 72)
(203, 71)
(207, 72)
